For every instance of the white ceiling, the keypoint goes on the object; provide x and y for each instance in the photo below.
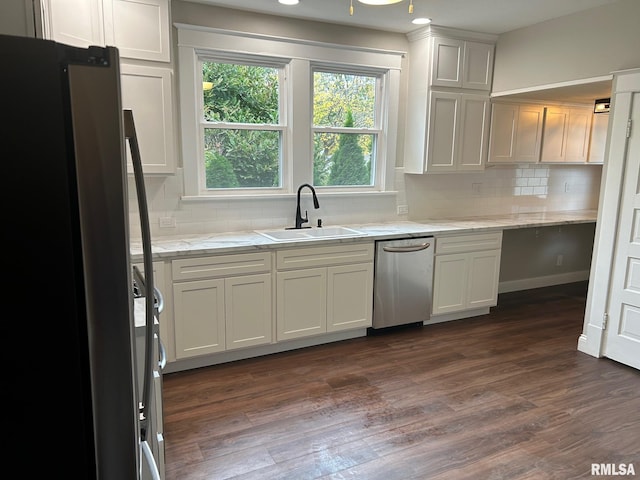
(486, 16)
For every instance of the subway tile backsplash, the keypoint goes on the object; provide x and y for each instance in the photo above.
(494, 191)
(504, 190)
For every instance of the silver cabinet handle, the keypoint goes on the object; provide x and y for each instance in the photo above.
(412, 248)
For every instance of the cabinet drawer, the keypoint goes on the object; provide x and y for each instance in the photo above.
(468, 243)
(220, 266)
(324, 256)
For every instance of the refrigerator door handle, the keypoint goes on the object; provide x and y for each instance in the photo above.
(130, 134)
(148, 455)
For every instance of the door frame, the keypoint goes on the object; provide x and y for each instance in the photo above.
(625, 84)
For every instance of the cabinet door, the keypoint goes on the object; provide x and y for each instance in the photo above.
(139, 28)
(529, 133)
(147, 91)
(484, 268)
(248, 310)
(446, 67)
(598, 142)
(443, 125)
(449, 283)
(301, 305)
(74, 22)
(566, 134)
(474, 132)
(199, 317)
(477, 72)
(516, 133)
(349, 296)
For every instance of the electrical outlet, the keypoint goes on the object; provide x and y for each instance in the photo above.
(567, 187)
(403, 209)
(559, 261)
(167, 222)
(475, 187)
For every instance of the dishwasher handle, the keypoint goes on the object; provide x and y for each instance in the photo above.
(410, 248)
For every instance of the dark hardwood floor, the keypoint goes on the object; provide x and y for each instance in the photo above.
(501, 396)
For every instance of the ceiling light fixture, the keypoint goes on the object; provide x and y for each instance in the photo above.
(417, 21)
(379, 2)
(289, 2)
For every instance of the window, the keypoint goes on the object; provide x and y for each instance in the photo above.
(241, 129)
(262, 115)
(346, 127)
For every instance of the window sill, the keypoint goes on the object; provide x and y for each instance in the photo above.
(280, 196)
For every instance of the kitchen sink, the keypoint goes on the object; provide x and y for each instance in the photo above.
(310, 233)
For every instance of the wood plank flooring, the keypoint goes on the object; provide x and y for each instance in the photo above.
(501, 396)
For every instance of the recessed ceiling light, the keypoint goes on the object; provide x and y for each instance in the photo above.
(289, 2)
(421, 21)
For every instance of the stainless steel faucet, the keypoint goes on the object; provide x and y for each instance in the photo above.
(299, 218)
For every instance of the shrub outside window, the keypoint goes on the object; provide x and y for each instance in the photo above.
(261, 115)
(345, 128)
(241, 128)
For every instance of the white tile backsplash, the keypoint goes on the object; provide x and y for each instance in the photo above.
(496, 190)
(503, 190)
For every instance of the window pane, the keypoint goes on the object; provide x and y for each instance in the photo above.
(240, 93)
(336, 94)
(341, 159)
(242, 158)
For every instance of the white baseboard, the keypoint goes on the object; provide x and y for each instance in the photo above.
(545, 281)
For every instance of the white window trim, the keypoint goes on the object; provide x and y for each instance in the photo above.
(296, 144)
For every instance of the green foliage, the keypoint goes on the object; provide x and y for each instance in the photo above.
(242, 94)
(219, 171)
(339, 96)
(250, 158)
(349, 165)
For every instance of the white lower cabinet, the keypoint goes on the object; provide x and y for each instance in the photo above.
(323, 289)
(466, 272)
(221, 303)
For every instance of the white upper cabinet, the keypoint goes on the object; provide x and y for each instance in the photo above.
(566, 133)
(74, 22)
(538, 133)
(139, 28)
(458, 132)
(516, 133)
(448, 108)
(147, 92)
(462, 64)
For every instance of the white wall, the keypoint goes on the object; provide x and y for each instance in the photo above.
(584, 45)
(498, 190)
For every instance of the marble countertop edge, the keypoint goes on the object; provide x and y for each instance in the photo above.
(250, 241)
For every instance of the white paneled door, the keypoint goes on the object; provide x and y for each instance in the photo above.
(622, 341)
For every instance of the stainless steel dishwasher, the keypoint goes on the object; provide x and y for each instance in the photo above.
(402, 282)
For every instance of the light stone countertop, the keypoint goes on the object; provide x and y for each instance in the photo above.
(250, 241)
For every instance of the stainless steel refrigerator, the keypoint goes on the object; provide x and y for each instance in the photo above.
(71, 401)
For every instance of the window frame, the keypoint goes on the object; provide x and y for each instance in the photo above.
(377, 130)
(299, 57)
(255, 60)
